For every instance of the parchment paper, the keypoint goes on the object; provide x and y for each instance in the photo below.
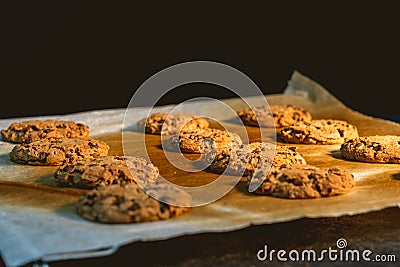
(38, 221)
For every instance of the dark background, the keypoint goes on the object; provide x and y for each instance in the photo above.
(59, 57)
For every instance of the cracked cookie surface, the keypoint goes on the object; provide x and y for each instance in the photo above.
(130, 204)
(323, 132)
(376, 149)
(33, 130)
(106, 170)
(245, 158)
(190, 142)
(303, 181)
(168, 124)
(278, 116)
(58, 151)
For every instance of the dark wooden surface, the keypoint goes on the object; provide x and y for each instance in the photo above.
(377, 231)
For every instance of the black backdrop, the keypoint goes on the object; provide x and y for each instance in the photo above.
(60, 57)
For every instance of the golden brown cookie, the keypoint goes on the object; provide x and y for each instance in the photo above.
(303, 181)
(130, 204)
(189, 142)
(378, 148)
(323, 132)
(168, 124)
(245, 158)
(58, 151)
(282, 116)
(107, 170)
(33, 130)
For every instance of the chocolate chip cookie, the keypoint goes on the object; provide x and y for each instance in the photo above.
(323, 132)
(106, 170)
(245, 158)
(33, 130)
(189, 142)
(278, 116)
(168, 124)
(130, 204)
(303, 181)
(58, 151)
(378, 148)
